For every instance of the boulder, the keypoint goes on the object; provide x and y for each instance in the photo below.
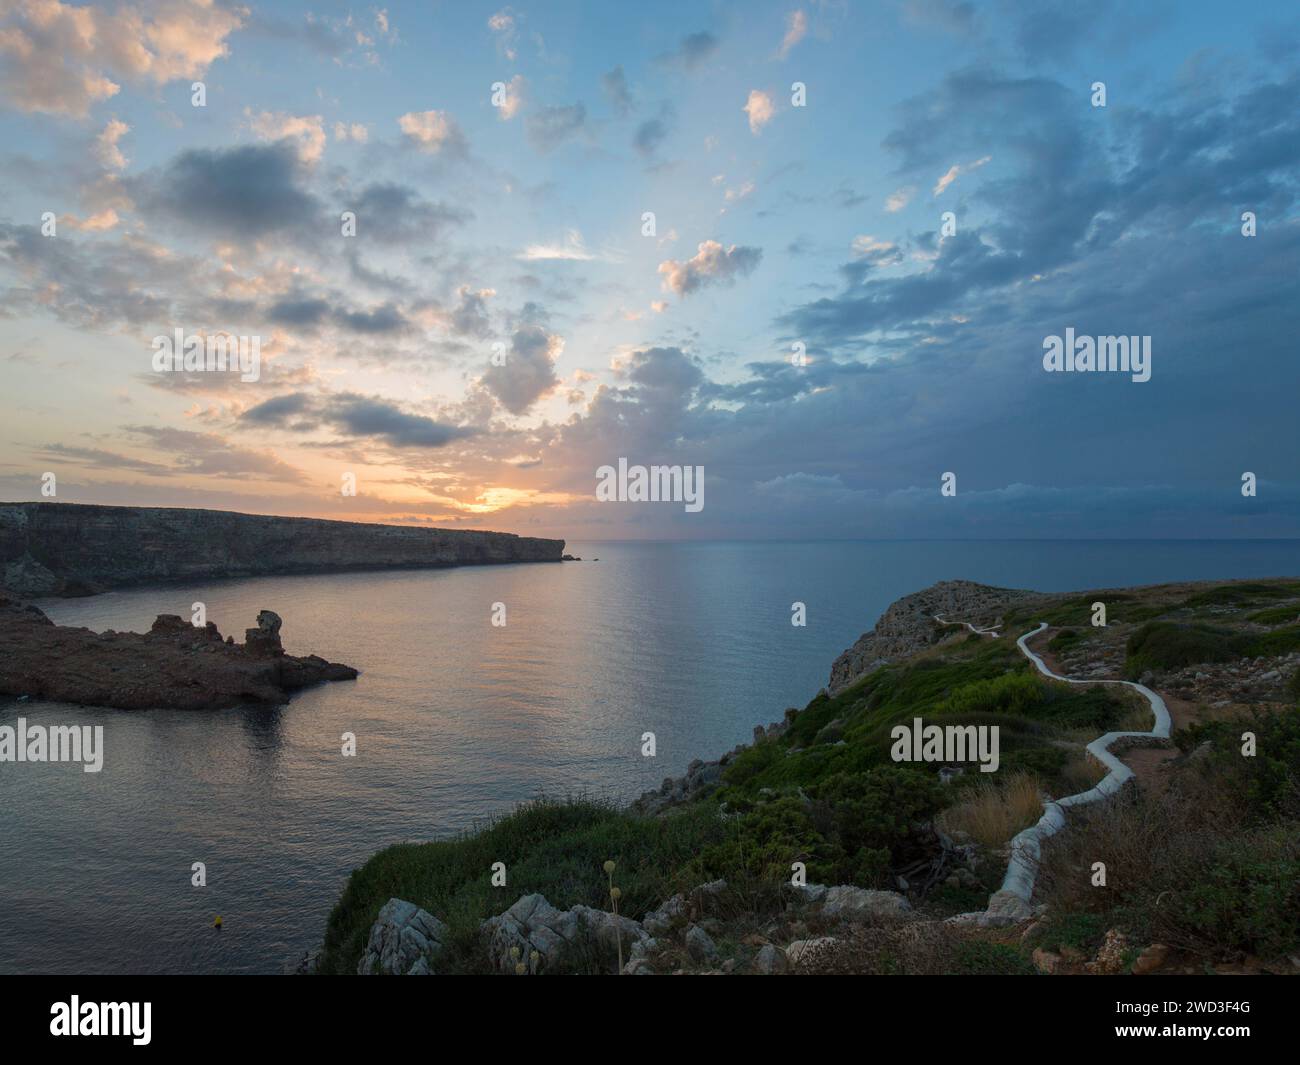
(404, 940)
(855, 903)
(771, 961)
(659, 922)
(540, 937)
(1151, 960)
(700, 946)
(803, 950)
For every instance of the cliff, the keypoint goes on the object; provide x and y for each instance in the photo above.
(76, 549)
(908, 626)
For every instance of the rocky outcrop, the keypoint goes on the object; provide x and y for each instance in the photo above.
(74, 549)
(404, 941)
(534, 937)
(173, 665)
(909, 625)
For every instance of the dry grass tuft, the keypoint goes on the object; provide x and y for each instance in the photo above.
(995, 811)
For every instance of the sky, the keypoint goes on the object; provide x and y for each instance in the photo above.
(813, 248)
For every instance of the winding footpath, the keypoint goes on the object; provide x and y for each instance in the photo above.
(1011, 901)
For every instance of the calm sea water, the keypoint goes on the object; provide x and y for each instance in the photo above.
(455, 721)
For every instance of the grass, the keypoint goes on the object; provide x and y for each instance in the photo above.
(556, 847)
(995, 810)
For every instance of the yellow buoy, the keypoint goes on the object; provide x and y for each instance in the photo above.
(216, 923)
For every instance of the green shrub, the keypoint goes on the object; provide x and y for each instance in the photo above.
(1163, 645)
(978, 958)
(1277, 615)
(1248, 898)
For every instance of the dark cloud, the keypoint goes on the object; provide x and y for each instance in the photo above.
(251, 191)
(373, 417)
(651, 133)
(354, 415)
(392, 213)
(529, 369)
(692, 50)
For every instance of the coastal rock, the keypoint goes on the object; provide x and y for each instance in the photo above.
(79, 549)
(174, 665)
(404, 940)
(264, 641)
(541, 938)
(855, 903)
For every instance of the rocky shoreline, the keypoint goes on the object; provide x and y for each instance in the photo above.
(175, 665)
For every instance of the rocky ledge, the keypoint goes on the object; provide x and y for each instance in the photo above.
(73, 549)
(173, 665)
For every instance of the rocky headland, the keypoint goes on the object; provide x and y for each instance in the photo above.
(909, 625)
(174, 664)
(67, 549)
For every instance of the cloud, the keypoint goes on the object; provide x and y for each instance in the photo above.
(278, 410)
(880, 252)
(614, 84)
(651, 133)
(305, 132)
(100, 222)
(955, 170)
(899, 199)
(354, 415)
(432, 132)
(211, 455)
(100, 459)
(106, 149)
(529, 370)
(712, 264)
(953, 16)
(396, 214)
(356, 132)
(503, 28)
(551, 126)
(796, 27)
(250, 191)
(760, 109)
(62, 59)
(470, 315)
(692, 50)
(573, 249)
(513, 98)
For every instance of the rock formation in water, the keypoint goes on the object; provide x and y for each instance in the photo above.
(173, 665)
(75, 549)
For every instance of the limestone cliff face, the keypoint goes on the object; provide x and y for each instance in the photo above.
(908, 626)
(75, 549)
